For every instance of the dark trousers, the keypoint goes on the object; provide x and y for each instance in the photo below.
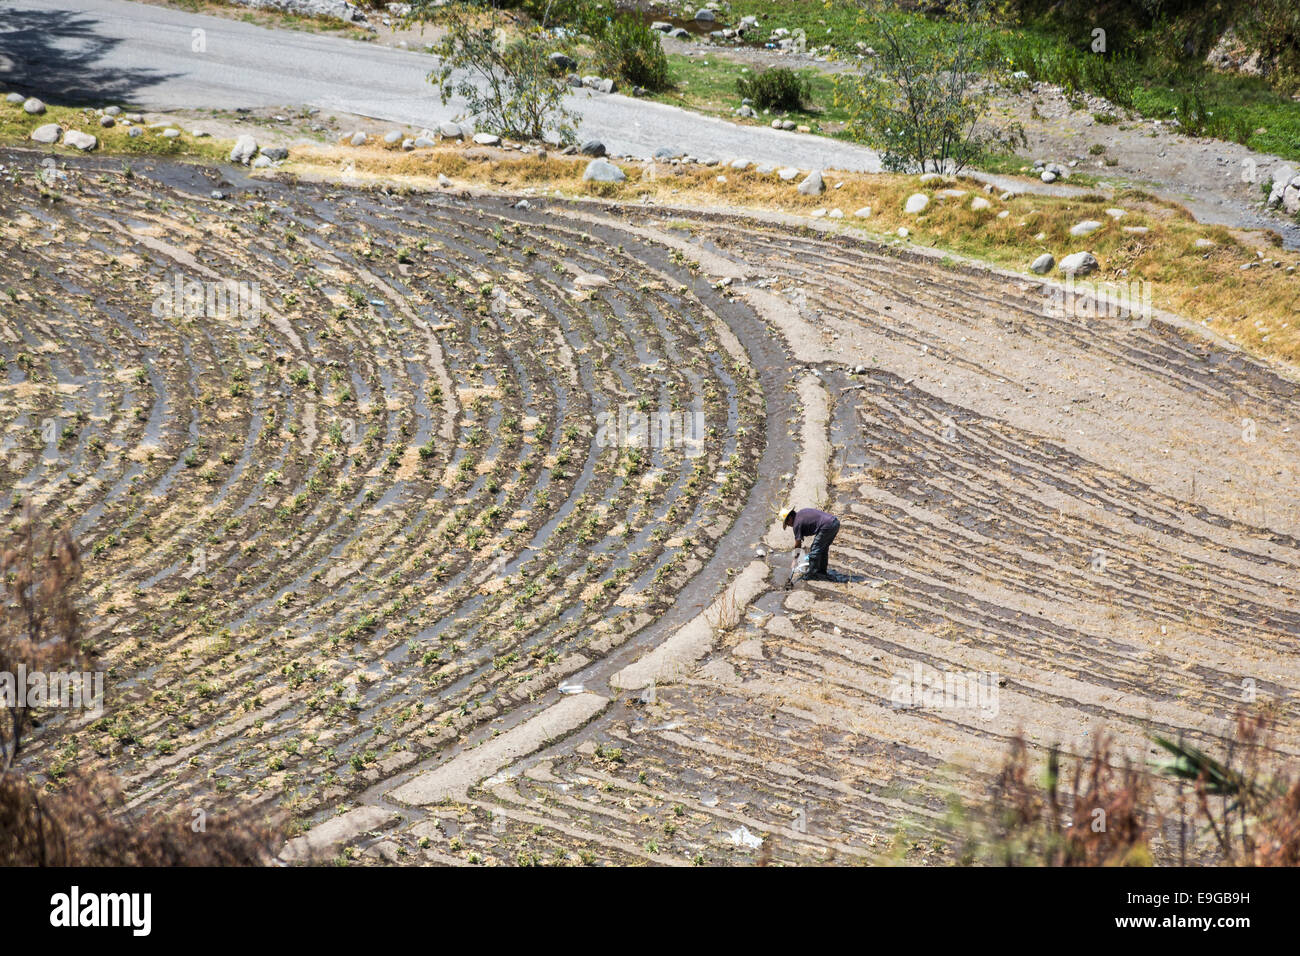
(820, 551)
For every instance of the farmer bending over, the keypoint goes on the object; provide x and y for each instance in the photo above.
(822, 528)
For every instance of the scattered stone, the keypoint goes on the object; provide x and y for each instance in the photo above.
(276, 153)
(14, 98)
(1043, 264)
(929, 177)
(740, 164)
(603, 171)
(788, 174)
(666, 154)
(261, 162)
(443, 181)
(705, 15)
(171, 133)
(107, 122)
(487, 139)
(358, 138)
(243, 150)
(392, 136)
(979, 202)
(916, 203)
(79, 140)
(951, 193)
(450, 131)
(813, 185)
(423, 142)
(1137, 230)
(34, 106)
(1116, 213)
(765, 169)
(134, 132)
(48, 134)
(902, 232)
(1085, 228)
(113, 111)
(562, 61)
(818, 213)
(1079, 264)
(1205, 244)
(592, 147)
(863, 213)
(835, 214)
(1048, 176)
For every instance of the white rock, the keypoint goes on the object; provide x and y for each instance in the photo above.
(979, 202)
(1085, 228)
(358, 138)
(170, 133)
(486, 139)
(916, 203)
(813, 185)
(34, 106)
(863, 213)
(603, 171)
(1116, 213)
(49, 133)
(835, 214)
(243, 150)
(1043, 264)
(79, 140)
(788, 173)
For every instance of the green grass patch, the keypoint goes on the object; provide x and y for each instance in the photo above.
(16, 128)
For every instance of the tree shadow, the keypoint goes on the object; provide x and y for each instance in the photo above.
(59, 56)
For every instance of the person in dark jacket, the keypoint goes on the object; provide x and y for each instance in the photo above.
(822, 528)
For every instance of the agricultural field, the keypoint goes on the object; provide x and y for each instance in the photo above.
(446, 524)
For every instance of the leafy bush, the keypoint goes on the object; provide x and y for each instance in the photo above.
(780, 89)
(628, 49)
(924, 105)
(507, 83)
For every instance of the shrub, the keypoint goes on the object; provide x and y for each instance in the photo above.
(628, 49)
(780, 89)
(505, 81)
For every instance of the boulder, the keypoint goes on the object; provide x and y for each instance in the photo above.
(916, 203)
(564, 62)
(1079, 264)
(14, 98)
(705, 15)
(487, 139)
(979, 202)
(812, 184)
(602, 171)
(79, 140)
(450, 131)
(863, 213)
(33, 106)
(358, 138)
(243, 150)
(592, 147)
(393, 137)
(1085, 228)
(48, 134)
(276, 153)
(788, 173)
(1043, 264)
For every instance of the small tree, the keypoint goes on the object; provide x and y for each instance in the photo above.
(925, 104)
(502, 71)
